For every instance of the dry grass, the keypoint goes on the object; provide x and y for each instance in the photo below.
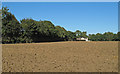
(73, 56)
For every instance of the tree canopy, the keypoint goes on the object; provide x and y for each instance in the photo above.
(29, 30)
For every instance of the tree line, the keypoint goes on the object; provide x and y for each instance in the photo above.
(29, 30)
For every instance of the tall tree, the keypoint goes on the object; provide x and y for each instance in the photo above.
(11, 28)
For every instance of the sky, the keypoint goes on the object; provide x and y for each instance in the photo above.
(60, 0)
(93, 17)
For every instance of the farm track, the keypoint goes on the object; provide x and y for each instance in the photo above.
(70, 56)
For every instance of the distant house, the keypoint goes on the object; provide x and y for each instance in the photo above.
(82, 39)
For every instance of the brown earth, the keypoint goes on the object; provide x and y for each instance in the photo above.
(71, 56)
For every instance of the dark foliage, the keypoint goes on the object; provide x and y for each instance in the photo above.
(29, 30)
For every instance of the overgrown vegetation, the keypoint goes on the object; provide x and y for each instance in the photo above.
(29, 30)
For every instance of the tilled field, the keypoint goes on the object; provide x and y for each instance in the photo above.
(71, 56)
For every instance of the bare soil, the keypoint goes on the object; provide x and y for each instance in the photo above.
(69, 56)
